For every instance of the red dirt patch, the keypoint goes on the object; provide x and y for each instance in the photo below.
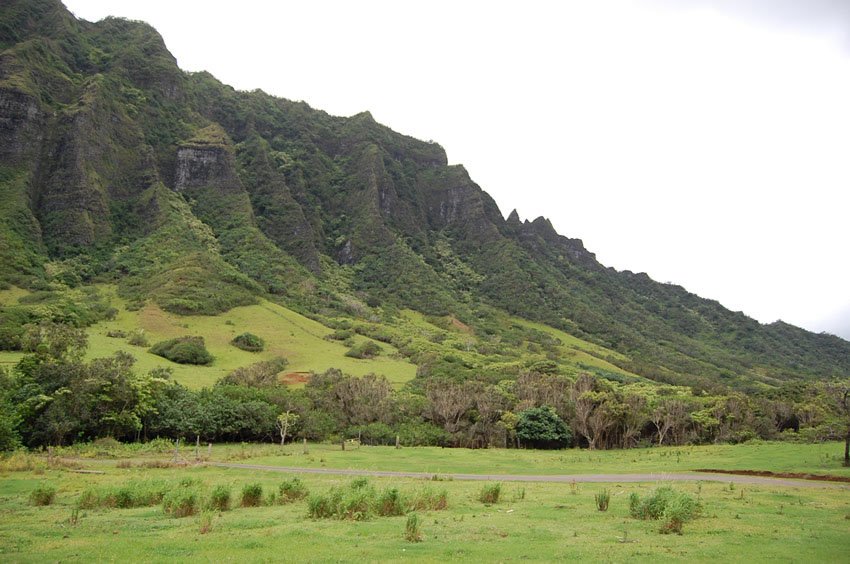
(460, 325)
(291, 378)
(769, 474)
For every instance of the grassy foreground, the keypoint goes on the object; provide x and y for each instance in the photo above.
(531, 521)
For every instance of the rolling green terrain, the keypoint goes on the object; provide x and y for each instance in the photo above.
(304, 343)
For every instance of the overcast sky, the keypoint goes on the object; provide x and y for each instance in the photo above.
(704, 142)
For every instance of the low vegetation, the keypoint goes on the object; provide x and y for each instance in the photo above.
(673, 508)
(248, 342)
(545, 521)
(183, 350)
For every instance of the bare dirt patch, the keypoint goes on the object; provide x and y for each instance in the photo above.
(769, 474)
(291, 378)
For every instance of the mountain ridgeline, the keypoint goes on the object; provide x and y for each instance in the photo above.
(117, 166)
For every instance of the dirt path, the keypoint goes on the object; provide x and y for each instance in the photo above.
(602, 478)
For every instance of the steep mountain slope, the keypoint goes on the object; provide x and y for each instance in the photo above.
(115, 165)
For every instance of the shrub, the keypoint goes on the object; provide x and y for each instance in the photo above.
(183, 350)
(389, 503)
(259, 374)
(116, 334)
(137, 338)
(43, 495)
(675, 508)
(248, 342)
(365, 350)
(252, 495)
(412, 531)
(340, 335)
(292, 490)
(220, 498)
(490, 493)
(181, 502)
(602, 499)
(541, 427)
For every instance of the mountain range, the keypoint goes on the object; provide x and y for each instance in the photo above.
(117, 166)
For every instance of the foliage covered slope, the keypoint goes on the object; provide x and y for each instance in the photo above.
(117, 166)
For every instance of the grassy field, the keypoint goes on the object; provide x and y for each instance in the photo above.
(298, 339)
(825, 458)
(533, 521)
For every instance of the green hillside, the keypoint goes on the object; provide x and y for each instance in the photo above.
(197, 200)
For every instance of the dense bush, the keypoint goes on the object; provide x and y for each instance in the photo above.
(183, 350)
(259, 374)
(248, 342)
(540, 427)
(366, 349)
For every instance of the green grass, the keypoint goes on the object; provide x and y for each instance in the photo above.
(823, 458)
(549, 523)
(286, 333)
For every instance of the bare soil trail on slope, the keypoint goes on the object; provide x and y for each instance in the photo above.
(578, 478)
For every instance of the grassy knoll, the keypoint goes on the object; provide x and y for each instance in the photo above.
(822, 458)
(530, 522)
(286, 333)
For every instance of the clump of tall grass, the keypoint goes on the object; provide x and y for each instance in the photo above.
(673, 507)
(252, 495)
(43, 494)
(132, 494)
(412, 532)
(181, 501)
(389, 503)
(359, 501)
(205, 522)
(342, 503)
(292, 490)
(428, 499)
(603, 498)
(490, 493)
(219, 499)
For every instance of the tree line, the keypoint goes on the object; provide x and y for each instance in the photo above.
(53, 397)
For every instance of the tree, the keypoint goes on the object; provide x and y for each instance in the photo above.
(838, 396)
(9, 420)
(285, 421)
(540, 427)
(670, 415)
(593, 417)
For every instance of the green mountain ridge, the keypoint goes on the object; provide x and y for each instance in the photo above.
(118, 167)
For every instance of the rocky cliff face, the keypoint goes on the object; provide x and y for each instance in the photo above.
(21, 124)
